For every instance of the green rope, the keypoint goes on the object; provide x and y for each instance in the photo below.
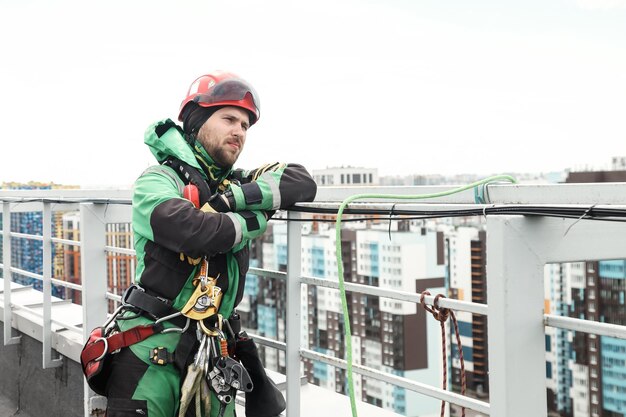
(342, 288)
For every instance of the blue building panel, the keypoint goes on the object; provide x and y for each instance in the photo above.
(399, 400)
(615, 269)
(281, 254)
(267, 321)
(465, 328)
(614, 374)
(318, 267)
(468, 352)
(252, 280)
(374, 251)
(320, 370)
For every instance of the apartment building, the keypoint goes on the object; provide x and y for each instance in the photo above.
(346, 176)
(386, 334)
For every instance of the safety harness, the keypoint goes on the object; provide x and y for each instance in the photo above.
(106, 340)
(224, 353)
(202, 306)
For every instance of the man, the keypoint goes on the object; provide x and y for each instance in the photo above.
(193, 219)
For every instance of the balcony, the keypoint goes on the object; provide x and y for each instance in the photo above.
(519, 247)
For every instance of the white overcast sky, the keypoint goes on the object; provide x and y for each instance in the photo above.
(405, 86)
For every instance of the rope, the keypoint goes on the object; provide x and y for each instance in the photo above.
(441, 315)
(340, 277)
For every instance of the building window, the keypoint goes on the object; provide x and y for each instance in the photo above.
(356, 178)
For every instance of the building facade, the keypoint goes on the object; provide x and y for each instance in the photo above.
(343, 176)
(393, 336)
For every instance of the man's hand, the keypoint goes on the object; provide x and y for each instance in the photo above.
(273, 187)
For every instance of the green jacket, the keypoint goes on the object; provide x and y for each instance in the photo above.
(169, 230)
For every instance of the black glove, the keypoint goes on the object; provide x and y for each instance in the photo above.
(265, 399)
(219, 203)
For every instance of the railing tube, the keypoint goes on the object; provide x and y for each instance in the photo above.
(6, 274)
(517, 374)
(48, 362)
(293, 325)
(93, 276)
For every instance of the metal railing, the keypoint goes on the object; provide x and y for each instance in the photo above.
(519, 248)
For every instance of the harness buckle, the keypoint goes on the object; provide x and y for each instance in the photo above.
(126, 294)
(105, 350)
(160, 356)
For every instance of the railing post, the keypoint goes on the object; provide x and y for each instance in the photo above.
(294, 273)
(515, 272)
(6, 274)
(93, 275)
(46, 336)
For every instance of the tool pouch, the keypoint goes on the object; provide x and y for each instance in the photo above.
(96, 370)
(265, 400)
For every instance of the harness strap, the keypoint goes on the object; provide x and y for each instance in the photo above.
(185, 350)
(97, 351)
(189, 174)
(156, 307)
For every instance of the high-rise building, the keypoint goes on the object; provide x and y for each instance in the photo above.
(594, 291)
(120, 267)
(27, 254)
(388, 335)
(467, 282)
(346, 176)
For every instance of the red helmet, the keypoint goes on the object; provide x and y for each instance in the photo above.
(221, 88)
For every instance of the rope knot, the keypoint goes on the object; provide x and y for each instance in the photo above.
(441, 314)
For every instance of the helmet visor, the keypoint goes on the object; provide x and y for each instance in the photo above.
(229, 90)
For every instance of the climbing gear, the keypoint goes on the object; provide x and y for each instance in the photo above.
(191, 175)
(155, 307)
(161, 356)
(108, 339)
(342, 288)
(221, 88)
(213, 370)
(104, 341)
(206, 298)
(441, 315)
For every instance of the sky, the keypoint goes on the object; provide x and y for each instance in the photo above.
(404, 86)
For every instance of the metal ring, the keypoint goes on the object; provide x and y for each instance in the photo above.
(106, 348)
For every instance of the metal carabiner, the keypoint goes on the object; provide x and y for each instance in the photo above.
(173, 329)
(198, 359)
(213, 331)
(113, 316)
